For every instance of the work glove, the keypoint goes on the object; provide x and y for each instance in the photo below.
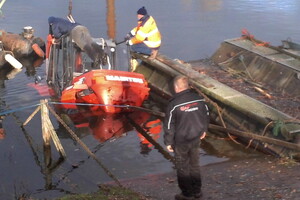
(127, 37)
(128, 42)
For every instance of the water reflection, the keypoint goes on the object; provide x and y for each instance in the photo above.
(31, 64)
(211, 5)
(2, 131)
(204, 5)
(104, 126)
(267, 5)
(5, 71)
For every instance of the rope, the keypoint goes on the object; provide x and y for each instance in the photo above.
(18, 109)
(219, 110)
(246, 34)
(90, 104)
(70, 17)
(156, 113)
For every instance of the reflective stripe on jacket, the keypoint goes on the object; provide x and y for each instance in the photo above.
(146, 32)
(187, 118)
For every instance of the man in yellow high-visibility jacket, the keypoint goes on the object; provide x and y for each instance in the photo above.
(145, 38)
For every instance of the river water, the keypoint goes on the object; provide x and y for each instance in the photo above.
(191, 30)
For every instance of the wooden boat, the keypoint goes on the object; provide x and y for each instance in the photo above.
(233, 113)
(76, 81)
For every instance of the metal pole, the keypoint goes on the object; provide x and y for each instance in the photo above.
(1, 3)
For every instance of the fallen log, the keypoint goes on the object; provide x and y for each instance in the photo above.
(256, 137)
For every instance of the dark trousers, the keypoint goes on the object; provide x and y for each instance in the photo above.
(83, 39)
(141, 48)
(188, 168)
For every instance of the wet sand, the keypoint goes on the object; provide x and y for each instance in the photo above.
(263, 177)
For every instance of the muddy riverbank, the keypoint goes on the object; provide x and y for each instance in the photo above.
(263, 177)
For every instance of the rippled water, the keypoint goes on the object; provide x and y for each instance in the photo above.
(191, 29)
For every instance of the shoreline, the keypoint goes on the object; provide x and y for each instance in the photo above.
(263, 177)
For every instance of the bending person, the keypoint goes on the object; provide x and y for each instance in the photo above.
(80, 35)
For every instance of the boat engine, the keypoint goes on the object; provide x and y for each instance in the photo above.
(28, 32)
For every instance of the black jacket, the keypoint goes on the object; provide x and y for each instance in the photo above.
(187, 117)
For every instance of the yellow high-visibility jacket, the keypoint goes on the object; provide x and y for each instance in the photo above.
(147, 32)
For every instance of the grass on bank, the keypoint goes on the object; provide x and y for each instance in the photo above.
(107, 193)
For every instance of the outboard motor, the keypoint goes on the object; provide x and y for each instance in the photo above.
(24, 44)
(28, 32)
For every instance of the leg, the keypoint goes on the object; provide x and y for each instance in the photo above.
(81, 36)
(195, 168)
(83, 39)
(153, 54)
(182, 161)
(141, 48)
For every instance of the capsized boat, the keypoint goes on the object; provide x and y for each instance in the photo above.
(107, 87)
(76, 80)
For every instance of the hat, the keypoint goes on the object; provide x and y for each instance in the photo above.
(142, 11)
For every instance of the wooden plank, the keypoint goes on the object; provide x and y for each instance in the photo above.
(46, 134)
(250, 135)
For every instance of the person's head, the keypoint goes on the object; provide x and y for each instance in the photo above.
(181, 83)
(141, 12)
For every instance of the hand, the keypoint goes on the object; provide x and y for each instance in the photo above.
(127, 37)
(55, 41)
(128, 42)
(203, 136)
(170, 149)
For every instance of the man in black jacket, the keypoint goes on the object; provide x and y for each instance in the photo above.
(186, 122)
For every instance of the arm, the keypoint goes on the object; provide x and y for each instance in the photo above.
(169, 129)
(56, 31)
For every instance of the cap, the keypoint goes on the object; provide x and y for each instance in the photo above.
(142, 11)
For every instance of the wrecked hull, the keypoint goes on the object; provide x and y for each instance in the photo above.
(234, 109)
(276, 68)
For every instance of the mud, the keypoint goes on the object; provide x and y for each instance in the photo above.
(259, 178)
